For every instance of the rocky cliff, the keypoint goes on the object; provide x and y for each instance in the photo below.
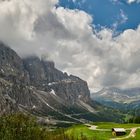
(35, 86)
(44, 75)
(31, 84)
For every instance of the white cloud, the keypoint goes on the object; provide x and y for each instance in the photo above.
(121, 19)
(123, 16)
(67, 37)
(128, 1)
(131, 1)
(79, 1)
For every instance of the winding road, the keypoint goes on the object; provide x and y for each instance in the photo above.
(131, 135)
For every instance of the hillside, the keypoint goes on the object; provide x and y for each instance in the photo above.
(103, 131)
(126, 100)
(35, 86)
(24, 127)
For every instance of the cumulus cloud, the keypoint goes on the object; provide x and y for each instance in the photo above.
(68, 37)
(79, 1)
(125, 1)
(131, 1)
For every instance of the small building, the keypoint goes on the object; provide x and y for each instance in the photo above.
(118, 131)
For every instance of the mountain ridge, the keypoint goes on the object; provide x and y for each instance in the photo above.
(35, 86)
(126, 100)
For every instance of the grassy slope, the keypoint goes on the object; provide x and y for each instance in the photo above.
(107, 125)
(77, 131)
(81, 130)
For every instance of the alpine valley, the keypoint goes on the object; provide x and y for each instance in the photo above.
(34, 86)
(126, 100)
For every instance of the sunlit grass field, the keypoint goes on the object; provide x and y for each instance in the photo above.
(79, 131)
(108, 125)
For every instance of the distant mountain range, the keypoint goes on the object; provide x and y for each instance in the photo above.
(35, 86)
(123, 99)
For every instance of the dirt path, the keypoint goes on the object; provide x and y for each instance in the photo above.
(131, 135)
(94, 127)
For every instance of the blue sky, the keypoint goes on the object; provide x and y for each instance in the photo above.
(108, 13)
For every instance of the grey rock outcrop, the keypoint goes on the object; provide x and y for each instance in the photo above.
(44, 75)
(11, 66)
(35, 86)
(7, 105)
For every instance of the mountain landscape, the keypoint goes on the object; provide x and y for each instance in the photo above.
(69, 70)
(127, 100)
(33, 85)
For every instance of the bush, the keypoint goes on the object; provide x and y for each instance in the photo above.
(20, 127)
(24, 127)
(134, 120)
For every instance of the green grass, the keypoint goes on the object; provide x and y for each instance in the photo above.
(79, 131)
(107, 125)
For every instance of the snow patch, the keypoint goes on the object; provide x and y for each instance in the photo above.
(64, 81)
(53, 83)
(52, 92)
(33, 107)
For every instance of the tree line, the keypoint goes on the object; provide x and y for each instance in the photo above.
(135, 119)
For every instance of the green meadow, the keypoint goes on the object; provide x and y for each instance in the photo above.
(107, 125)
(83, 131)
(24, 127)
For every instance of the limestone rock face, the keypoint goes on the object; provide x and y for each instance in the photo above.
(36, 71)
(44, 75)
(35, 86)
(11, 66)
(7, 105)
(71, 90)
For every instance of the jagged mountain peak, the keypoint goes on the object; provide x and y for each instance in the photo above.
(119, 95)
(36, 86)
